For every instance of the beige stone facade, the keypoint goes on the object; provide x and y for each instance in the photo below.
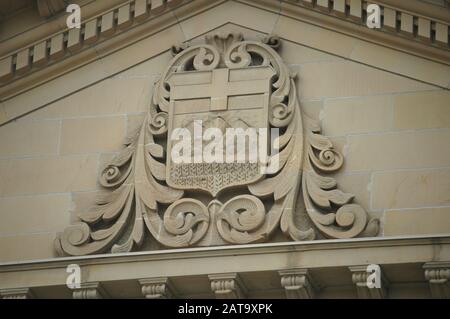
(71, 98)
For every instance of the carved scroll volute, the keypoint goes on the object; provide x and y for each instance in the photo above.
(200, 57)
(177, 227)
(139, 200)
(322, 196)
(243, 220)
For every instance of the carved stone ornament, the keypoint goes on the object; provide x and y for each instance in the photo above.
(226, 82)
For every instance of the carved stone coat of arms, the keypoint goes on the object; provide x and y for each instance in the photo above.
(227, 82)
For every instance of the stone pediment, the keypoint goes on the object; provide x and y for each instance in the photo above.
(362, 128)
(31, 61)
(200, 203)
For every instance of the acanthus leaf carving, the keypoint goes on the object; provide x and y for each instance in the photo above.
(145, 193)
(330, 209)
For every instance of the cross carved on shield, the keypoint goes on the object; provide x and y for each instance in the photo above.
(237, 94)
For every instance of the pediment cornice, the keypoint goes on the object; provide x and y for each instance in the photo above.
(418, 264)
(122, 25)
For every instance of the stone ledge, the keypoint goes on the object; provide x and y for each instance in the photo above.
(69, 43)
(401, 258)
(429, 39)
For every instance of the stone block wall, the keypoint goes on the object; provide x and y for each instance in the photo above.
(394, 132)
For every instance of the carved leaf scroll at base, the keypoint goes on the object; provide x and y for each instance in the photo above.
(227, 82)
